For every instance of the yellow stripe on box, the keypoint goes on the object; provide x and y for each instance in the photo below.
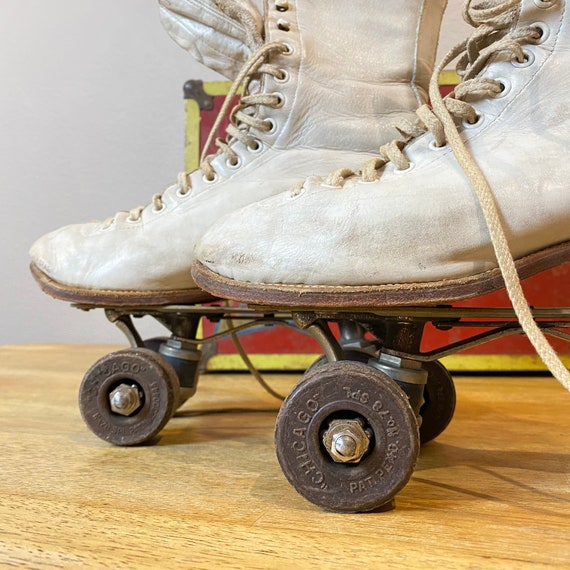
(454, 363)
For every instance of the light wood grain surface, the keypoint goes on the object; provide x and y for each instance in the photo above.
(492, 492)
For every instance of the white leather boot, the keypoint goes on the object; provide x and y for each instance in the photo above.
(427, 222)
(324, 85)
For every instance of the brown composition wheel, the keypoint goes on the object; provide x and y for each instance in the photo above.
(128, 396)
(347, 438)
(439, 406)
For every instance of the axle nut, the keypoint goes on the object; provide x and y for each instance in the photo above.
(346, 440)
(125, 399)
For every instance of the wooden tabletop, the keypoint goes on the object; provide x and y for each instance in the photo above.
(492, 492)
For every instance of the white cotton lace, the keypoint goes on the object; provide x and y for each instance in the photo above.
(495, 32)
(242, 118)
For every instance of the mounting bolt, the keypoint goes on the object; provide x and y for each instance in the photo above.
(125, 399)
(346, 440)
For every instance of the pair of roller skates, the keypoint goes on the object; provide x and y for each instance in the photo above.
(450, 214)
(349, 433)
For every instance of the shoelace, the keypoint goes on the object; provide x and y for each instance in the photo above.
(242, 120)
(494, 33)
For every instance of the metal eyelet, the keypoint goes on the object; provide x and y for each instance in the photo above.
(280, 100)
(255, 147)
(283, 25)
(272, 126)
(433, 146)
(284, 76)
(544, 4)
(181, 194)
(371, 181)
(210, 180)
(479, 120)
(281, 5)
(528, 60)
(543, 30)
(505, 88)
(288, 49)
(235, 164)
(397, 170)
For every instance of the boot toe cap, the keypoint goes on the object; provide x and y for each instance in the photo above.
(57, 256)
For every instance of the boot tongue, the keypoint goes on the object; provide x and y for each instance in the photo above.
(221, 34)
(257, 28)
(244, 12)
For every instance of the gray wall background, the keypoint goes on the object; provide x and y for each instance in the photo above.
(91, 122)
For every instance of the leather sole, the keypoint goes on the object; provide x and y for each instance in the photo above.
(370, 296)
(119, 298)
